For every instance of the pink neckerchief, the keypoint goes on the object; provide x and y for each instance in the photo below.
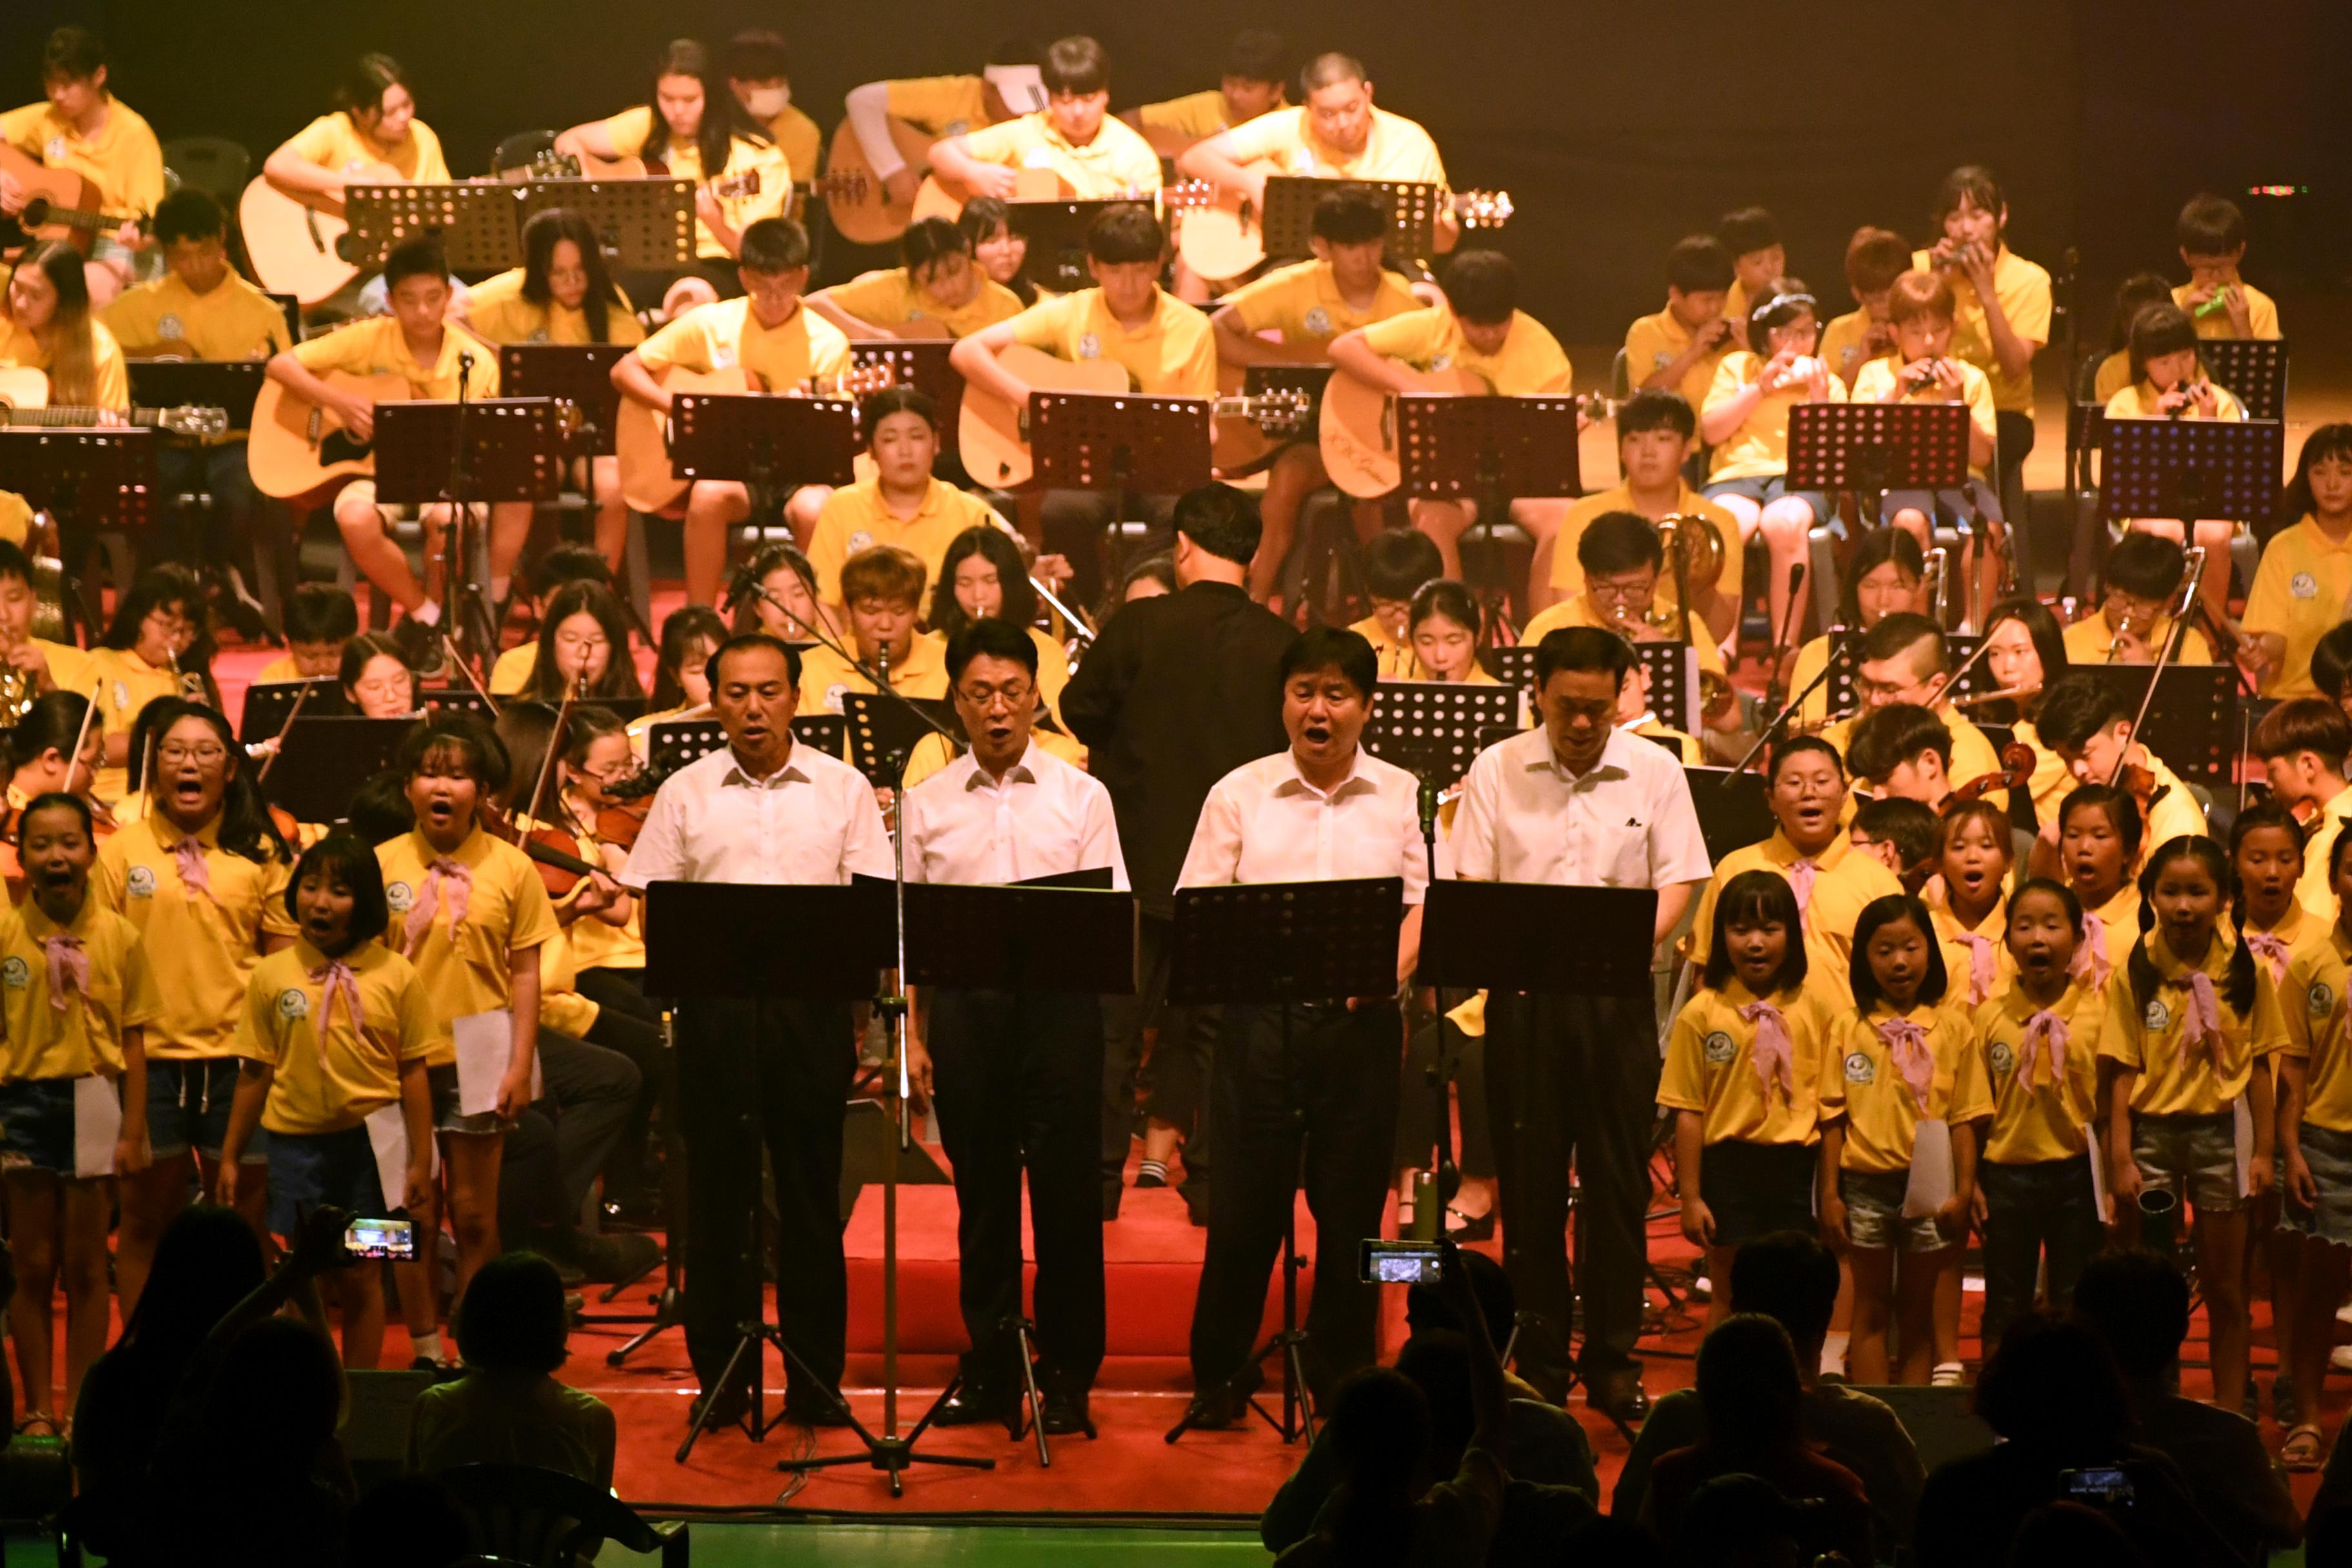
(2046, 1032)
(1907, 1041)
(332, 977)
(1801, 872)
(1774, 1053)
(1983, 965)
(460, 882)
(2091, 961)
(188, 859)
(69, 969)
(2200, 1026)
(2270, 948)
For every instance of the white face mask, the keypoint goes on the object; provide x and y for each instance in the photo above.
(767, 103)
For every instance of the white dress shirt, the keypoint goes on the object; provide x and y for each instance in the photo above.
(1626, 822)
(1042, 818)
(1264, 823)
(811, 822)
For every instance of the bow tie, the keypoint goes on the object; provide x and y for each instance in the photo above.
(1774, 1053)
(1907, 1041)
(2045, 1032)
(443, 875)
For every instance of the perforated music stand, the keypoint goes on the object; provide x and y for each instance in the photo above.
(577, 373)
(2252, 369)
(1119, 441)
(1288, 221)
(921, 363)
(1435, 729)
(881, 731)
(1868, 448)
(676, 743)
(1277, 944)
(514, 450)
(1454, 448)
(229, 385)
(1056, 235)
(1513, 666)
(1732, 812)
(767, 441)
(2214, 469)
(2193, 723)
(643, 226)
(1673, 683)
(1845, 661)
(268, 703)
(460, 699)
(476, 223)
(86, 480)
(325, 758)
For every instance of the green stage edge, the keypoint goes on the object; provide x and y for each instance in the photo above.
(834, 1543)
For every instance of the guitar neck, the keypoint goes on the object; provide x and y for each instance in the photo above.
(72, 416)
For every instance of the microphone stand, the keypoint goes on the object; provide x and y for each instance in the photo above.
(1782, 642)
(1783, 717)
(457, 588)
(1445, 1180)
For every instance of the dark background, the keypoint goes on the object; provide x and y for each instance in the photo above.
(1616, 128)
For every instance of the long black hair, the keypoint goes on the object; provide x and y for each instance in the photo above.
(1877, 547)
(2296, 501)
(345, 857)
(166, 586)
(1759, 895)
(599, 603)
(724, 118)
(2238, 988)
(1884, 911)
(246, 829)
(2049, 644)
(686, 626)
(51, 722)
(541, 236)
(1020, 603)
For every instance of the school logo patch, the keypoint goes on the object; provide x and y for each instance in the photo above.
(1858, 1069)
(861, 539)
(1660, 359)
(1038, 158)
(56, 150)
(722, 355)
(1721, 1049)
(1441, 362)
(1318, 322)
(121, 695)
(398, 897)
(140, 882)
(2003, 1057)
(2322, 1001)
(538, 335)
(292, 1005)
(1089, 346)
(832, 695)
(2303, 585)
(955, 128)
(16, 973)
(170, 327)
(2158, 1016)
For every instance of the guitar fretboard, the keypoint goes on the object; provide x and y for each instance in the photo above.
(69, 416)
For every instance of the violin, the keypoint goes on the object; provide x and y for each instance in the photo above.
(2017, 759)
(551, 849)
(619, 826)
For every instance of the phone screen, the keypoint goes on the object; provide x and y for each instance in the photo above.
(392, 1239)
(1401, 1263)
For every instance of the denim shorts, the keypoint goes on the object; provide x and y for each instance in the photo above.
(1755, 1189)
(1766, 489)
(36, 1125)
(1875, 1217)
(442, 1079)
(188, 1101)
(2193, 1157)
(309, 1170)
(2329, 1154)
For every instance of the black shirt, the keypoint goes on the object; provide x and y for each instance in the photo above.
(1179, 691)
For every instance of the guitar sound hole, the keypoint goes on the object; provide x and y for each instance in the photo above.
(340, 448)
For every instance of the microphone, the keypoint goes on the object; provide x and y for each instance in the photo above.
(1428, 793)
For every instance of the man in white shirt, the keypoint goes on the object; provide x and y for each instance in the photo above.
(1323, 810)
(763, 810)
(1579, 803)
(1016, 1076)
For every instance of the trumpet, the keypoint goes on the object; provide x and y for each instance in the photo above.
(18, 687)
(2008, 694)
(1699, 541)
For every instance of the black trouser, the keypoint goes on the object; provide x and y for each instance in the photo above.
(1419, 1110)
(553, 1151)
(1174, 1080)
(2030, 1210)
(1017, 1076)
(1331, 1096)
(1574, 1077)
(1074, 523)
(778, 1073)
(220, 472)
(628, 1023)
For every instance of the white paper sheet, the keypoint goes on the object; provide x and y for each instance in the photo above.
(1931, 1168)
(387, 1133)
(2098, 1177)
(98, 1125)
(2242, 1131)
(485, 1041)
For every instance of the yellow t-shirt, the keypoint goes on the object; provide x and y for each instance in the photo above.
(1397, 661)
(86, 1036)
(2313, 891)
(1655, 342)
(941, 105)
(330, 1084)
(469, 969)
(2300, 592)
(203, 945)
(2311, 1007)
(125, 684)
(2261, 311)
(1844, 883)
(1578, 612)
(886, 297)
(1568, 573)
(1195, 116)
(1877, 378)
(1710, 1066)
(2112, 376)
(376, 346)
(332, 141)
(497, 312)
(234, 319)
(110, 377)
(2119, 920)
(1972, 753)
(855, 517)
(1171, 355)
(825, 676)
(2052, 781)
(800, 140)
(761, 165)
(2138, 401)
(2038, 1116)
(511, 674)
(2022, 290)
(2145, 1037)
(1396, 148)
(1302, 302)
(123, 160)
(1760, 448)
(2088, 639)
(560, 1005)
(1845, 344)
(781, 358)
(1118, 163)
(1959, 954)
(1530, 362)
(1861, 1082)
(597, 945)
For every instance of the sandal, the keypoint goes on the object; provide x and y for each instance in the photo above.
(2300, 1452)
(46, 1425)
(1461, 1228)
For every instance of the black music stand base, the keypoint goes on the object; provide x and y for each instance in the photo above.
(1298, 1404)
(669, 1313)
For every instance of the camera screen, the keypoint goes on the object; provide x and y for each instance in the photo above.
(1401, 1263)
(2104, 1485)
(380, 1239)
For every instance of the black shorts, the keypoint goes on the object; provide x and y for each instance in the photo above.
(1755, 1189)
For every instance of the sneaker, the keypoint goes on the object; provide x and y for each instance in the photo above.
(1151, 1173)
(1948, 1375)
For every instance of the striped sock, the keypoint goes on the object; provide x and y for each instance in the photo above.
(1151, 1173)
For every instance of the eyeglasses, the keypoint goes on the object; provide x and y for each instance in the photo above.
(1622, 591)
(1012, 694)
(202, 751)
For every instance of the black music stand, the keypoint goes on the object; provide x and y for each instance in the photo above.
(228, 384)
(460, 699)
(88, 482)
(325, 758)
(1277, 944)
(1435, 729)
(1288, 221)
(476, 223)
(578, 373)
(1865, 449)
(1732, 812)
(642, 226)
(673, 743)
(769, 442)
(1673, 683)
(2252, 369)
(1055, 231)
(921, 363)
(1493, 450)
(1119, 441)
(269, 703)
(1033, 937)
(881, 732)
(1513, 665)
(2216, 469)
(2191, 723)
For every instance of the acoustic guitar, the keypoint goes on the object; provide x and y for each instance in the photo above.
(292, 238)
(1360, 429)
(297, 445)
(25, 401)
(1220, 236)
(860, 205)
(58, 203)
(641, 434)
(936, 198)
(587, 165)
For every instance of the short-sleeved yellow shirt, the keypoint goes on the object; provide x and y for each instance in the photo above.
(1302, 302)
(2261, 312)
(123, 160)
(1760, 448)
(1118, 163)
(329, 1083)
(783, 358)
(1396, 148)
(2036, 1116)
(1529, 364)
(332, 141)
(2088, 639)
(2311, 1007)
(110, 377)
(1656, 341)
(1195, 115)
(857, 518)
(1844, 883)
(2119, 924)
(1568, 573)
(1710, 1066)
(1397, 661)
(800, 140)
(745, 159)
(1961, 943)
(560, 1005)
(1171, 355)
(886, 297)
(2138, 401)
(233, 320)
(596, 943)
(1845, 344)
(497, 312)
(2301, 590)
(514, 669)
(1861, 1082)
(941, 105)
(826, 678)
(125, 684)
(377, 346)
(469, 969)
(2023, 290)
(2312, 890)
(86, 1036)
(2145, 1037)
(1578, 611)
(202, 944)
(1877, 378)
